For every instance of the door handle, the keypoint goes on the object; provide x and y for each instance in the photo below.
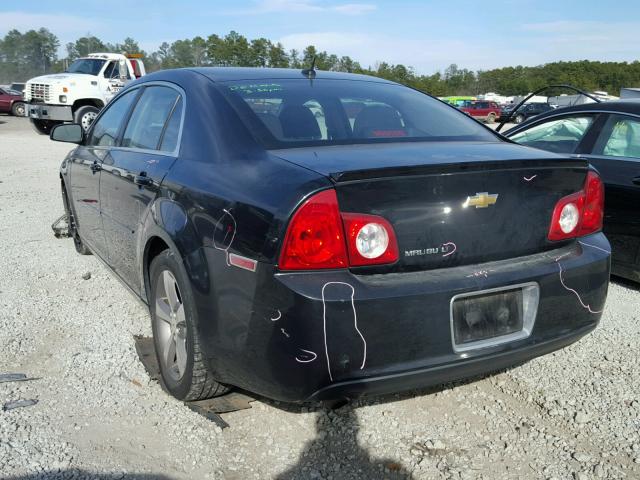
(95, 167)
(636, 181)
(142, 180)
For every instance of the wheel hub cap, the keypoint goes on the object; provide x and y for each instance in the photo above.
(171, 327)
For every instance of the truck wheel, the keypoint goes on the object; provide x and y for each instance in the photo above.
(85, 116)
(80, 247)
(491, 118)
(43, 127)
(183, 366)
(18, 109)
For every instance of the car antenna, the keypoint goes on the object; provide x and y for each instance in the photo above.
(310, 72)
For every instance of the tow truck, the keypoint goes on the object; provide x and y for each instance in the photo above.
(78, 94)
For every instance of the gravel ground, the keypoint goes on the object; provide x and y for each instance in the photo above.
(572, 414)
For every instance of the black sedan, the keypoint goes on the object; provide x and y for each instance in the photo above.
(322, 235)
(608, 135)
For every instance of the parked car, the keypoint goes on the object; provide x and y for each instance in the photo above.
(11, 102)
(309, 263)
(525, 112)
(608, 135)
(481, 110)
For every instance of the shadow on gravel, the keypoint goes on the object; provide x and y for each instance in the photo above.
(84, 475)
(335, 452)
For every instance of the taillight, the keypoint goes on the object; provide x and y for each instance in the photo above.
(316, 237)
(580, 213)
(370, 240)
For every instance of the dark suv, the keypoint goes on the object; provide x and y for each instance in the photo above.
(525, 112)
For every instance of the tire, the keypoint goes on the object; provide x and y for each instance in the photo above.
(519, 119)
(43, 127)
(18, 109)
(173, 321)
(85, 116)
(491, 118)
(81, 248)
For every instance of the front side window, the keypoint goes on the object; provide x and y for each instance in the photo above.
(620, 138)
(149, 117)
(560, 135)
(291, 113)
(90, 66)
(105, 129)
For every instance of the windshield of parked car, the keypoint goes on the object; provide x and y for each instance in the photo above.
(293, 113)
(90, 66)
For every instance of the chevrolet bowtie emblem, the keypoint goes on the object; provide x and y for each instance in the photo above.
(481, 200)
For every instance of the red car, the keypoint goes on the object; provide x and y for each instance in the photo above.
(482, 110)
(11, 102)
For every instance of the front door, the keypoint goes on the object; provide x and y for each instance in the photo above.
(131, 179)
(86, 169)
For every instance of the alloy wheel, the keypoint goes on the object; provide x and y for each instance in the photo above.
(171, 326)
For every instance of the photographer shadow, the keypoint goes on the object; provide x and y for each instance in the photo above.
(336, 453)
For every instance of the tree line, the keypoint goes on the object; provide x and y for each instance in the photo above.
(35, 52)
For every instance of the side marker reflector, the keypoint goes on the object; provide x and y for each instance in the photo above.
(242, 262)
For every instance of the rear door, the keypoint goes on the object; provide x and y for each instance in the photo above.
(132, 176)
(85, 171)
(616, 155)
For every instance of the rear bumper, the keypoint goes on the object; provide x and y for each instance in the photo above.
(41, 111)
(325, 335)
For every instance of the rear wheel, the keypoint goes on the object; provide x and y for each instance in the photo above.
(182, 365)
(18, 109)
(81, 248)
(491, 118)
(519, 119)
(85, 116)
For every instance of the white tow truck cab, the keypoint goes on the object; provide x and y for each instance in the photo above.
(78, 94)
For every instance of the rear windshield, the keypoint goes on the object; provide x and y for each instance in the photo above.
(295, 113)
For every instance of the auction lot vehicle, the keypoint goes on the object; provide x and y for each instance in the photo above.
(78, 94)
(458, 101)
(607, 134)
(482, 110)
(311, 257)
(525, 112)
(11, 102)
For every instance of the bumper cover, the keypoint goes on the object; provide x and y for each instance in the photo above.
(40, 111)
(324, 335)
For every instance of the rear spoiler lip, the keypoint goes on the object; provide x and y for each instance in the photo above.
(452, 168)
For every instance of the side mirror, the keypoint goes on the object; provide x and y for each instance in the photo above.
(67, 132)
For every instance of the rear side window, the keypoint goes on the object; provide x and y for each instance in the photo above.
(105, 129)
(149, 117)
(620, 138)
(172, 130)
(297, 112)
(560, 135)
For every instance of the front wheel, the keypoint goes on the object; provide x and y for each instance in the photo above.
(43, 127)
(519, 119)
(183, 366)
(18, 109)
(79, 245)
(85, 116)
(491, 118)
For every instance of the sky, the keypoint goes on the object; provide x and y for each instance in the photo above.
(427, 35)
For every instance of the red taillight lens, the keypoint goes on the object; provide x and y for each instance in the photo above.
(580, 213)
(593, 213)
(315, 237)
(370, 240)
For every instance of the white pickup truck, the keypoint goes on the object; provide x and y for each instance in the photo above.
(78, 94)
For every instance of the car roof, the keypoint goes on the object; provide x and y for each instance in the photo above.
(227, 74)
(627, 105)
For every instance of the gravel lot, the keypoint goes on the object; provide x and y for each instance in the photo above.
(572, 414)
